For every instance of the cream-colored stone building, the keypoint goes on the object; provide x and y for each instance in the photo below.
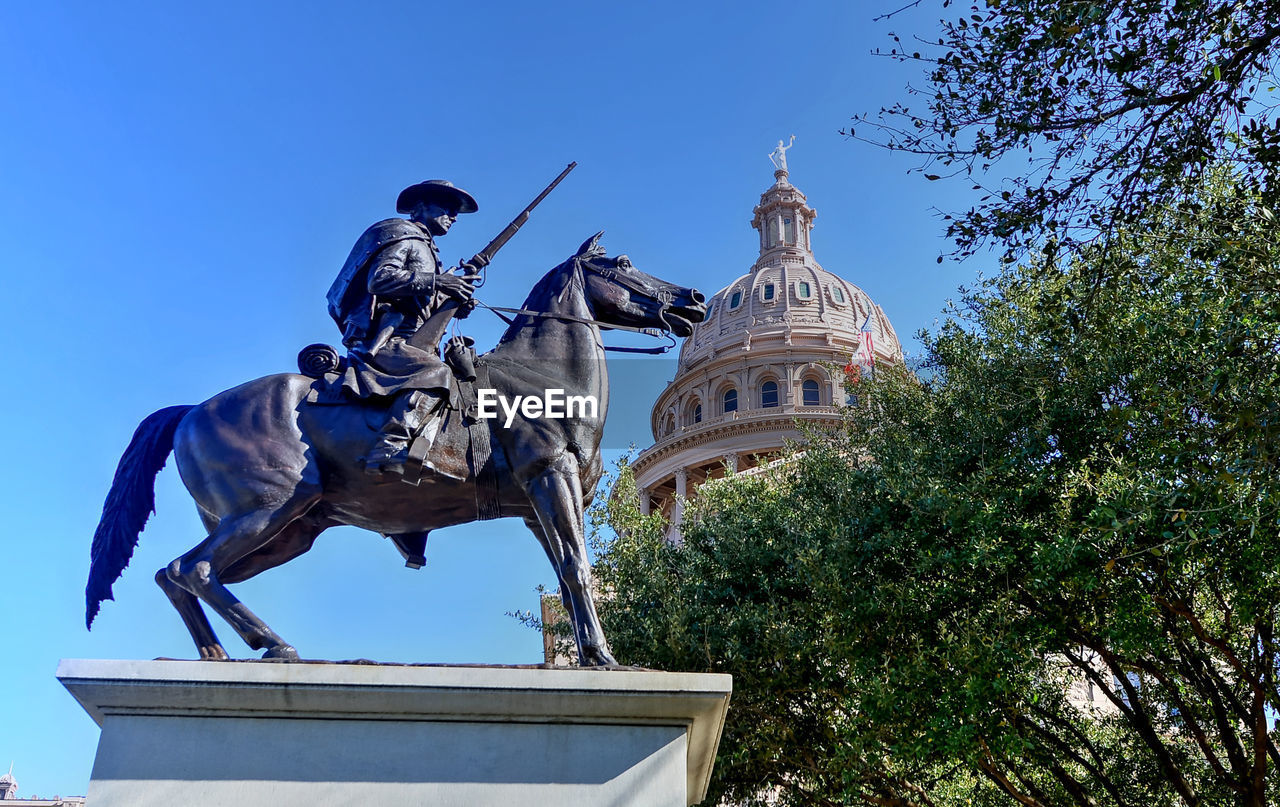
(769, 354)
(9, 795)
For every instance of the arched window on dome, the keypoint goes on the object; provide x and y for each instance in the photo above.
(837, 294)
(729, 401)
(693, 412)
(788, 230)
(773, 231)
(811, 393)
(735, 300)
(803, 290)
(669, 425)
(767, 293)
(769, 394)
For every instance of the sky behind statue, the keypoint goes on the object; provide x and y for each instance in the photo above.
(181, 183)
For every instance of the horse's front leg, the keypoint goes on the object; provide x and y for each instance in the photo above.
(556, 495)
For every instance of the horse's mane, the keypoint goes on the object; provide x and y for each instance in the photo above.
(551, 284)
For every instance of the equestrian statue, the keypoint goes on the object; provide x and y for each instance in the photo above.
(390, 438)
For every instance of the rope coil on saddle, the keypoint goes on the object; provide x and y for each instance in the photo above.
(316, 360)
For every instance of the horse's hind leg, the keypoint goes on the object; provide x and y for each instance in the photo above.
(199, 571)
(189, 609)
(193, 617)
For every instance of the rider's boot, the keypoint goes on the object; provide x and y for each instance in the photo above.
(413, 414)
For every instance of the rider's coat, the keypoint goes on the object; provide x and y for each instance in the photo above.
(382, 295)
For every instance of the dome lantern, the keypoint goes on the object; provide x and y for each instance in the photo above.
(783, 218)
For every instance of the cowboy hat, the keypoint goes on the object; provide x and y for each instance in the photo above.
(440, 191)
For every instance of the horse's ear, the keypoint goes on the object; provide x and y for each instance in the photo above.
(591, 247)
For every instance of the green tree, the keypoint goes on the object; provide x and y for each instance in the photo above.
(1077, 488)
(1077, 116)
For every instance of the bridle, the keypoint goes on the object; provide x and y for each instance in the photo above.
(580, 268)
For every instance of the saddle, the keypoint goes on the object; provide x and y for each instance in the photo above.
(480, 463)
(477, 461)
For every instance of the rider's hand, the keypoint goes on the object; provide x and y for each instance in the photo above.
(457, 287)
(465, 309)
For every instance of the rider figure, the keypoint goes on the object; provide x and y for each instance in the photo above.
(390, 284)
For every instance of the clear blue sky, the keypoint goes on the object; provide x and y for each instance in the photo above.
(180, 182)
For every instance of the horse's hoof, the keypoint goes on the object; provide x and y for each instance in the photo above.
(281, 652)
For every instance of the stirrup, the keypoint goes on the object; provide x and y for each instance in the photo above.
(385, 458)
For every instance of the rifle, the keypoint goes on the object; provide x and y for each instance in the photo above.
(428, 336)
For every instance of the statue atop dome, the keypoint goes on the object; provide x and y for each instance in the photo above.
(8, 785)
(779, 155)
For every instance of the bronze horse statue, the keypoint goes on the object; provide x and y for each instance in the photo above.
(270, 471)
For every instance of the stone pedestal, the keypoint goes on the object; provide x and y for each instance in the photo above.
(257, 733)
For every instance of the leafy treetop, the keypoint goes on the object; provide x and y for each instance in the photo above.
(1116, 106)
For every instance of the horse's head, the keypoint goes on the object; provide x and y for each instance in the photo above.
(620, 294)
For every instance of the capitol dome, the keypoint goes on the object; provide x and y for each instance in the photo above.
(771, 352)
(794, 300)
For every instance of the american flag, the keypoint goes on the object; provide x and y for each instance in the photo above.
(868, 345)
(852, 371)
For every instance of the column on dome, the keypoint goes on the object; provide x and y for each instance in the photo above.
(731, 462)
(682, 491)
(646, 501)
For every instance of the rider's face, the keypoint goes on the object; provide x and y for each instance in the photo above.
(436, 218)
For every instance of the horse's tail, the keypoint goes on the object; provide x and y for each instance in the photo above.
(130, 502)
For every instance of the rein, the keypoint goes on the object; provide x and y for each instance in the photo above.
(658, 333)
(612, 277)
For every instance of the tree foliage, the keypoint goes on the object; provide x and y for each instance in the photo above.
(1117, 106)
(1077, 490)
